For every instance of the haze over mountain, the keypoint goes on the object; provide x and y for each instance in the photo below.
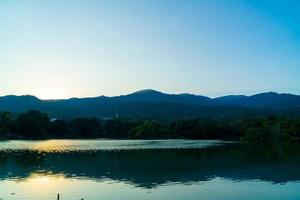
(156, 105)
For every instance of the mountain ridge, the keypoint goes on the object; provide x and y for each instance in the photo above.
(151, 91)
(154, 104)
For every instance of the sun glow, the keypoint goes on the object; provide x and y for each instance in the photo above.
(52, 93)
(41, 180)
(52, 145)
(38, 181)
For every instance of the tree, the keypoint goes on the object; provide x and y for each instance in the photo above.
(86, 127)
(6, 121)
(33, 124)
(147, 130)
(59, 129)
(118, 128)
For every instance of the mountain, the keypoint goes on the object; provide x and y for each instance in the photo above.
(264, 100)
(156, 96)
(157, 105)
(19, 103)
(229, 99)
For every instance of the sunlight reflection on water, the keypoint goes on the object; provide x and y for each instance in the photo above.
(147, 169)
(94, 145)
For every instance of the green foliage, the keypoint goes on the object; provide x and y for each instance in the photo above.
(148, 130)
(86, 127)
(59, 129)
(118, 128)
(6, 121)
(204, 129)
(34, 125)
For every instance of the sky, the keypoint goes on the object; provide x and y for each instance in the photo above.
(67, 48)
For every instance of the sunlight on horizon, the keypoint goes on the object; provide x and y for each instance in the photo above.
(52, 93)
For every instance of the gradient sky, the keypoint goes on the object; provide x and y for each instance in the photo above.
(64, 48)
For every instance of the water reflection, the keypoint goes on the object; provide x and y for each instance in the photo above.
(150, 168)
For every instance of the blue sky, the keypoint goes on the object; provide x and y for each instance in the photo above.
(64, 48)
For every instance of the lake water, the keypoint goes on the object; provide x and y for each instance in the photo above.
(144, 170)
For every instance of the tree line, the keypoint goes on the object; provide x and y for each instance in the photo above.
(34, 124)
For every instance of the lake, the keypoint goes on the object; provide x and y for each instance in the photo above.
(148, 169)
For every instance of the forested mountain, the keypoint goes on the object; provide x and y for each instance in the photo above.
(157, 105)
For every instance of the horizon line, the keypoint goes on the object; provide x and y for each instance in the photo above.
(145, 90)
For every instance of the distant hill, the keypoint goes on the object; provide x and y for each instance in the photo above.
(264, 100)
(157, 105)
